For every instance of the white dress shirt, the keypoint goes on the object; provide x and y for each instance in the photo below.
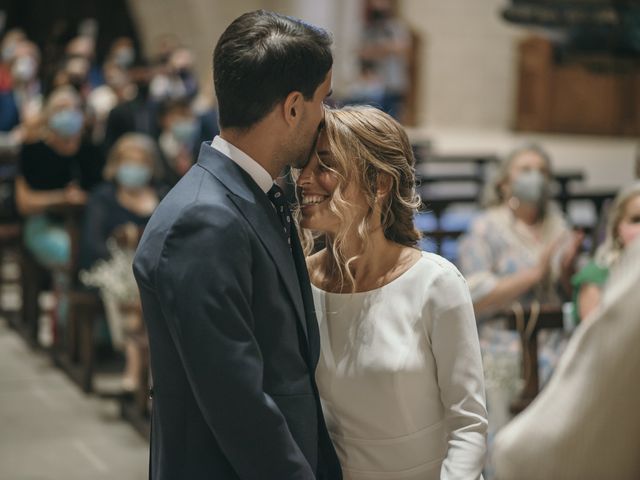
(245, 162)
(400, 377)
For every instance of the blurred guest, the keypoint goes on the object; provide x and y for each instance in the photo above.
(117, 89)
(122, 53)
(129, 194)
(519, 250)
(179, 139)
(386, 42)
(74, 71)
(162, 47)
(7, 54)
(23, 101)
(121, 206)
(178, 80)
(84, 46)
(622, 229)
(601, 228)
(586, 423)
(368, 88)
(57, 171)
(138, 114)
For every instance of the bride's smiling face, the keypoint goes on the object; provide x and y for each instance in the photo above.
(317, 184)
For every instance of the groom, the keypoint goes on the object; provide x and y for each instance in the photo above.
(224, 287)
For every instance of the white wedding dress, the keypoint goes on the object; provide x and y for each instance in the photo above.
(400, 377)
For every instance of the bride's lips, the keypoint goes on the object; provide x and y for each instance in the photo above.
(309, 200)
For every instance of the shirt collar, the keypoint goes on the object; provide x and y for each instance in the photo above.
(245, 162)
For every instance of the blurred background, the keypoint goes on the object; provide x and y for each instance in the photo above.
(103, 106)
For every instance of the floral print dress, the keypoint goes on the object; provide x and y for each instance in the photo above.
(496, 246)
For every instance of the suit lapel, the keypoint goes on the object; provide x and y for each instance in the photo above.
(255, 206)
(313, 335)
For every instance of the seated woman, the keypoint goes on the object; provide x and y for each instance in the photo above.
(519, 250)
(121, 207)
(622, 229)
(400, 373)
(54, 173)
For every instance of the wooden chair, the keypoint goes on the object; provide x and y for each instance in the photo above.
(34, 278)
(10, 236)
(528, 322)
(137, 410)
(74, 351)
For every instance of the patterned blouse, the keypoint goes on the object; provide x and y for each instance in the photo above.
(499, 245)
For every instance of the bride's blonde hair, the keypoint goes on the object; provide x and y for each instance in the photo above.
(368, 147)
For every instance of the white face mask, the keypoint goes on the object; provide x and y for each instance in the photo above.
(530, 187)
(24, 69)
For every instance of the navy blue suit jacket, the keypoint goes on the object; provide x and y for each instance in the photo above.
(233, 335)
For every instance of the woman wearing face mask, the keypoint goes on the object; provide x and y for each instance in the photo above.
(121, 206)
(23, 102)
(400, 374)
(129, 194)
(623, 228)
(519, 250)
(55, 172)
(180, 136)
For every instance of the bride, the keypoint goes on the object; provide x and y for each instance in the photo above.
(400, 374)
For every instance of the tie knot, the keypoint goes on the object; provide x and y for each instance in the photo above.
(276, 195)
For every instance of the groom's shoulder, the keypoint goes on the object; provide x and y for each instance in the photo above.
(196, 206)
(198, 191)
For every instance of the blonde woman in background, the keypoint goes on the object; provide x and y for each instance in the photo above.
(400, 374)
(622, 229)
(520, 249)
(120, 208)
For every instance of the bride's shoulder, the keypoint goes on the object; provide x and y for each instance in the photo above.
(440, 270)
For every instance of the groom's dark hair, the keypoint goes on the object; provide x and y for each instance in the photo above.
(260, 59)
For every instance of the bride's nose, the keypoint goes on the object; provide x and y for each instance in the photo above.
(305, 175)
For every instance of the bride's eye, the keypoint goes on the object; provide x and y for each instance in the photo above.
(324, 163)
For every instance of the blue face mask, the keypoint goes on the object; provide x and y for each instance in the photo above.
(66, 123)
(124, 57)
(132, 175)
(184, 131)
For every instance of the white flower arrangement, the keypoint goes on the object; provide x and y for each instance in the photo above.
(114, 276)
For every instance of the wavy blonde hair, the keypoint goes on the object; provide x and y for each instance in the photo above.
(611, 249)
(368, 147)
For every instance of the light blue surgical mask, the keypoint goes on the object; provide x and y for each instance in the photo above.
(66, 123)
(124, 57)
(24, 69)
(133, 175)
(531, 187)
(185, 131)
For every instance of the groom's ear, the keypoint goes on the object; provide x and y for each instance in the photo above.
(293, 108)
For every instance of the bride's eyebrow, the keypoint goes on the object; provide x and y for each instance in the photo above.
(324, 152)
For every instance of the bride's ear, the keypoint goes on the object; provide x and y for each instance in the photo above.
(383, 186)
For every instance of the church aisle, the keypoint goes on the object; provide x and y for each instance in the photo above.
(50, 430)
